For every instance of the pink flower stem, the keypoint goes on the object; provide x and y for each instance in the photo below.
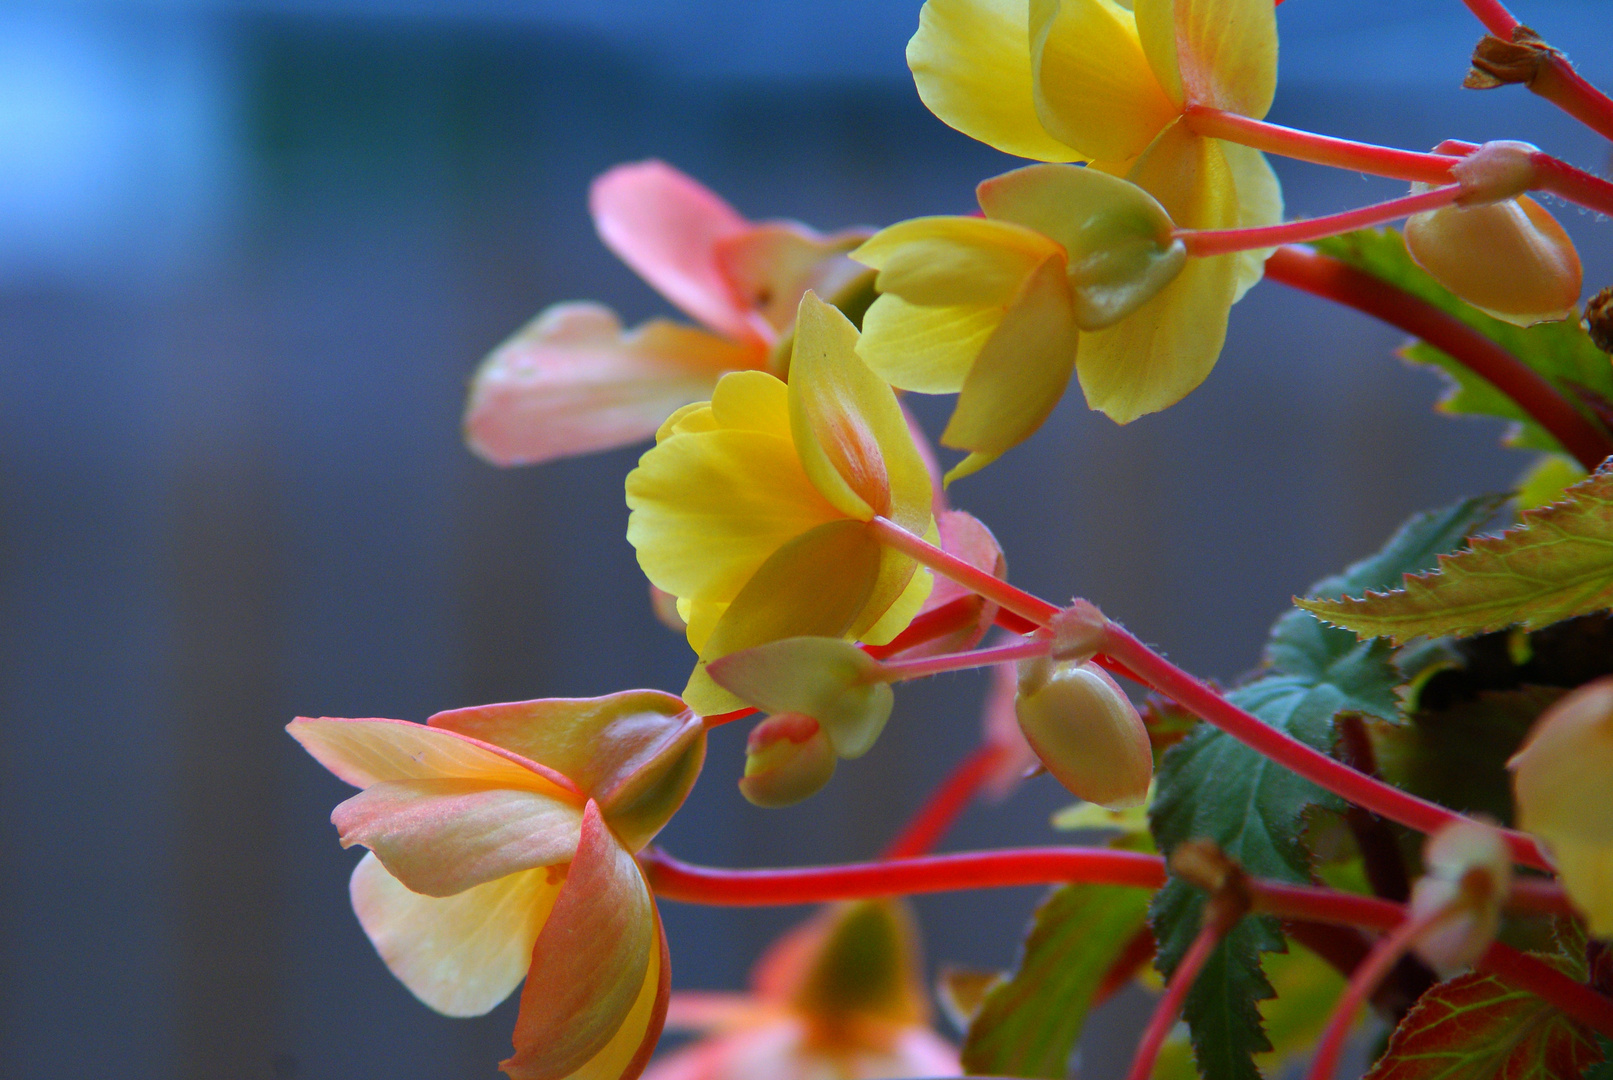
(1529, 390)
(1170, 1003)
(1320, 149)
(948, 801)
(929, 625)
(1198, 698)
(993, 588)
(1206, 242)
(902, 670)
(1559, 178)
(1383, 957)
(1556, 81)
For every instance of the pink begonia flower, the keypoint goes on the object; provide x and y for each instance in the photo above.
(838, 998)
(573, 381)
(501, 846)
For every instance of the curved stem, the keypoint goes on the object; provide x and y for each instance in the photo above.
(1320, 149)
(948, 801)
(1206, 242)
(675, 880)
(993, 588)
(1169, 1006)
(1315, 766)
(1528, 389)
(1556, 80)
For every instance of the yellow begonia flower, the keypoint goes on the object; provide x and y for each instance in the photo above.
(501, 846)
(841, 996)
(1088, 80)
(992, 308)
(752, 508)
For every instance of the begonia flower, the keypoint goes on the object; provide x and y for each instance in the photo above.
(1107, 84)
(993, 308)
(753, 509)
(573, 381)
(839, 997)
(1560, 781)
(502, 842)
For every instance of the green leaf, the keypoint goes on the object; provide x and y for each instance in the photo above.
(1476, 1027)
(1603, 1070)
(1212, 786)
(1561, 351)
(1028, 1025)
(1557, 564)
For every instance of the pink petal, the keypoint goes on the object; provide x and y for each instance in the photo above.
(573, 382)
(704, 1011)
(772, 265)
(666, 226)
(588, 1006)
(366, 752)
(441, 837)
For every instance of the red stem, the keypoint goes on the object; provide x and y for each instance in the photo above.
(1575, 185)
(1530, 391)
(1320, 149)
(1207, 242)
(929, 625)
(1170, 1004)
(920, 667)
(993, 588)
(1495, 17)
(945, 804)
(1357, 787)
(1557, 81)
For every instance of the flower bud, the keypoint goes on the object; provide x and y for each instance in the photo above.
(1560, 782)
(1466, 866)
(787, 758)
(1509, 259)
(1086, 731)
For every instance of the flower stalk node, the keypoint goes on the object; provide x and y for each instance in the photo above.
(1501, 169)
(1078, 631)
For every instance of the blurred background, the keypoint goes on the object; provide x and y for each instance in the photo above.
(251, 251)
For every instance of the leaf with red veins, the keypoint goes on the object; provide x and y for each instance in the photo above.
(666, 226)
(595, 997)
(1476, 1027)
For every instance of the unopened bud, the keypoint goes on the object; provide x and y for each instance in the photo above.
(1509, 259)
(1499, 62)
(787, 758)
(1467, 869)
(1599, 319)
(1560, 782)
(1086, 731)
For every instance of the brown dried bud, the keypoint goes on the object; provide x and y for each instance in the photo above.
(1497, 62)
(1599, 319)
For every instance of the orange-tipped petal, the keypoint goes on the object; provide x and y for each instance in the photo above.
(441, 837)
(592, 967)
(366, 752)
(667, 226)
(462, 954)
(1220, 53)
(1094, 89)
(772, 265)
(788, 758)
(572, 381)
(971, 61)
(636, 752)
(828, 679)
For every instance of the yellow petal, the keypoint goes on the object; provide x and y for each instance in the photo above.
(849, 429)
(696, 416)
(1094, 88)
(941, 261)
(1022, 371)
(910, 584)
(1152, 358)
(971, 61)
(366, 752)
(815, 586)
(441, 837)
(924, 349)
(752, 401)
(1586, 869)
(1220, 53)
(709, 508)
(1260, 203)
(463, 954)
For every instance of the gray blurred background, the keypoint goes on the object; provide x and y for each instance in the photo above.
(250, 253)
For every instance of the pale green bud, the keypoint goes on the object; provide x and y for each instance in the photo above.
(1086, 731)
(787, 758)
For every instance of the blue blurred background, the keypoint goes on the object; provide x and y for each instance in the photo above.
(250, 253)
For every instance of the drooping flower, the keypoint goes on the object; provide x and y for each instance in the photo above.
(993, 308)
(838, 997)
(1089, 80)
(1560, 781)
(501, 846)
(753, 508)
(573, 381)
